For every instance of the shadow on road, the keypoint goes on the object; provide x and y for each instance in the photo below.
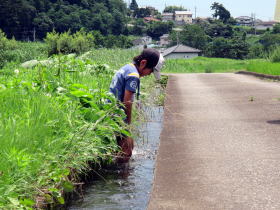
(275, 122)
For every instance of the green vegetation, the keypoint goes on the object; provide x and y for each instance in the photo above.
(221, 65)
(55, 120)
(82, 41)
(264, 67)
(18, 52)
(157, 29)
(172, 9)
(24, 19)
(56, 43)
(204, 65)
(66, 43)
(275, 55)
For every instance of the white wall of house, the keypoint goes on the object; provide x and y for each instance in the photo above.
(181, 55)
(164, 40)
(264, 27)
(183, 16)
(167, 17)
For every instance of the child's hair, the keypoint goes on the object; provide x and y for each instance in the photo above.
(149, 54)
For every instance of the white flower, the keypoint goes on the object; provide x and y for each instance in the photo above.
(106, 66)
(60, 90)
(16, 71)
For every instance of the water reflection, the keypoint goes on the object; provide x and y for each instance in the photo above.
(127, 186)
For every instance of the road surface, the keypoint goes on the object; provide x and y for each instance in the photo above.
(220, 145)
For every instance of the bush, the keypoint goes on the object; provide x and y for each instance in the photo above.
(6, 46)
(83, 41)
(18, 52)
(256, 51)
(227, 48)
(67, 43)
(275, 55)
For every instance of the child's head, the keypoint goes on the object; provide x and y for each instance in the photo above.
(150, 60)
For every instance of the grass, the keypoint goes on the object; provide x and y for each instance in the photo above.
(54, 121)
(221, 65)
(204, 65)
(23, 51)
(264, 67)
(115, 58)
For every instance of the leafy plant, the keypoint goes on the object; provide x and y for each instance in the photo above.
(275, 55)
(54, 119)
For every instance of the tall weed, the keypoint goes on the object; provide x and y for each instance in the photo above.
(54, 119)
(275, 55)
(18, 52)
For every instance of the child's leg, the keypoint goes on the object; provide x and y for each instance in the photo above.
(126, 144)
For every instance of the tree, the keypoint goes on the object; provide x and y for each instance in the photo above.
(193, 36)
(43, 23)
(133, 5)
(118, 23)
(139, 27)
(172, 9)
(20, 17)
(269, 41)
(157, 29)
(220, 12)
(276, 28)
(16, 18)
(218, 29)
(228, 48)
(142, 12)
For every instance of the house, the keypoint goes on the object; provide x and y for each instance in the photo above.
(164, 40)
(183, 17)
(245, 21)
(265, 25)
(142, 41)
(167, 17)
(150, 19)
(181, 51)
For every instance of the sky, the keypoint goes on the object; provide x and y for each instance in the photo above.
(264, 9)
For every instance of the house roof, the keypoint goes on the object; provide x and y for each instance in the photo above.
(180, 49)
(268, 23)
(151, 19)
(167, 14)
(183, 13)
(244, 17)
(165, 36)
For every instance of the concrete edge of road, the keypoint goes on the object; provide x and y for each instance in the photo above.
(165, 116)
(263, 76)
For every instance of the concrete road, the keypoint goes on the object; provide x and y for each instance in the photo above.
(220, 145)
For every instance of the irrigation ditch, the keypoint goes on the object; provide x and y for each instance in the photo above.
(127, 185)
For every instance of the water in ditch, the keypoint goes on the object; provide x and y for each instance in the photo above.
(128, 186)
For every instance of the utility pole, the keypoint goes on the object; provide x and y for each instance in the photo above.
(254, 22)
(195, 9)
(34, 34)
(177, 34)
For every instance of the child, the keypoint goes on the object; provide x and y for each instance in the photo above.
(126, 83)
